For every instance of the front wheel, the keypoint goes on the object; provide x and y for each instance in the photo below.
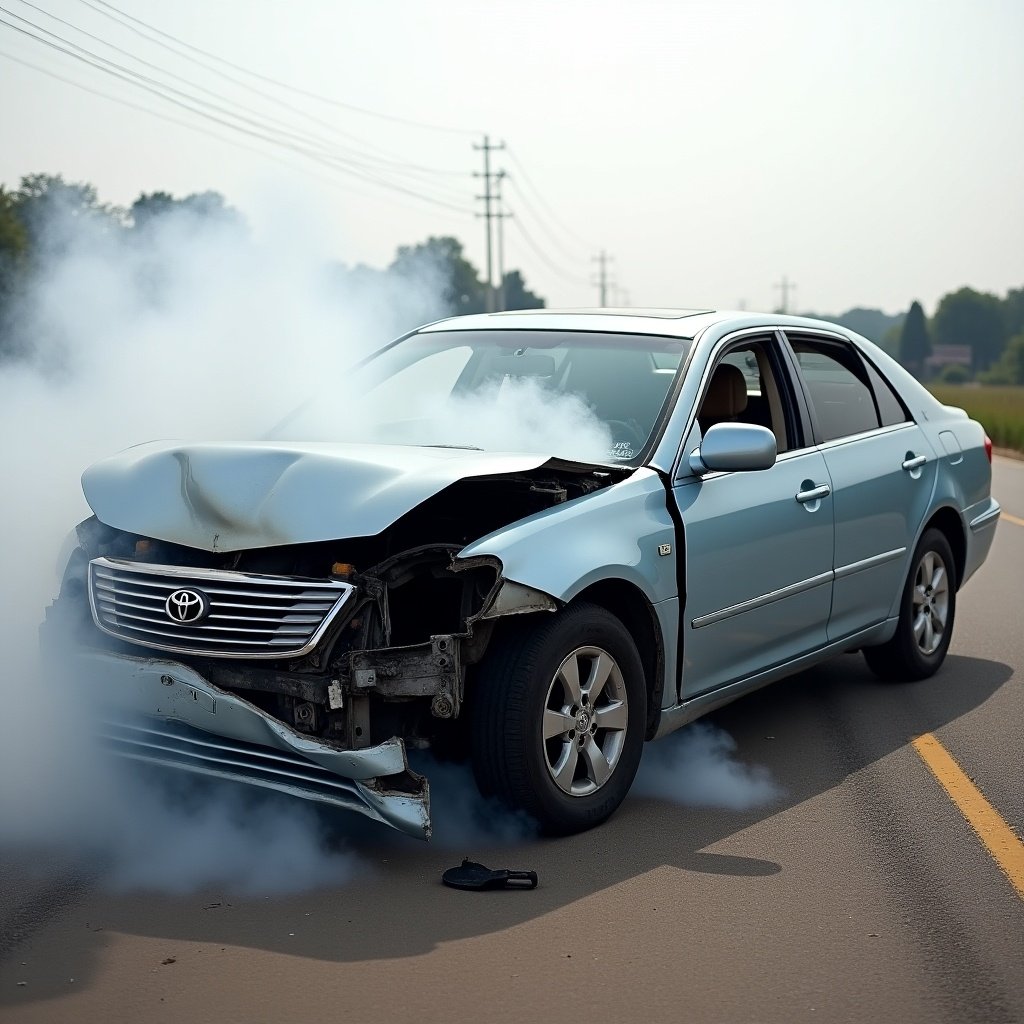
(559, 717)
(925, 627)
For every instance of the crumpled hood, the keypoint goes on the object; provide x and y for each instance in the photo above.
(230, 497)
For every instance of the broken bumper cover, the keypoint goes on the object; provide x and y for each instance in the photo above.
(165, 713)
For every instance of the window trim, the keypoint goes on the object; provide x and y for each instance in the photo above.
(829, 338)
(789, 393)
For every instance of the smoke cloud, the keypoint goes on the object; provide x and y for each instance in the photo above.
(696, 767)
(185, 328)
(192, 329)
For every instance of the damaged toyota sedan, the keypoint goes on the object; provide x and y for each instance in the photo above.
(535, 540)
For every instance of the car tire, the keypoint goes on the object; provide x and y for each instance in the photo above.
(559, 713)
(927, 610)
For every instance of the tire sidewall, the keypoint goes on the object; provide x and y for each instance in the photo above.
(582, 627)
(921, 664)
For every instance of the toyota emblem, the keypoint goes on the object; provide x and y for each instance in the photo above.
(187, 606)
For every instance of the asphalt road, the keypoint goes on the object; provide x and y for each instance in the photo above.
(861, 894)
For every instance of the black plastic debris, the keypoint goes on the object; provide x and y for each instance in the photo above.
(470, 875)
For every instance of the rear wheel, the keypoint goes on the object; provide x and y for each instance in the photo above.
(927, 609)
(559, 715)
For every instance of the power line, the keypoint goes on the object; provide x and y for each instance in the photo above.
(163, 116)
(543, 222)
(151, 36)
(366, 162)
(194, 105)
(547, 206)
(292, 88)
(560, 271)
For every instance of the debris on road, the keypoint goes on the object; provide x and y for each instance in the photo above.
(470, 875)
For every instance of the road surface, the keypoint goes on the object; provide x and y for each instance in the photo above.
(862, 894)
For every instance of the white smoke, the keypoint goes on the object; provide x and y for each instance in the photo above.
(520, 414)
(190, 329)
(196, 331)
(697, 767)
(461, 817)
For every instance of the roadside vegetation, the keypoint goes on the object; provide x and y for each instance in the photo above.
(1000, 410)
(970, 351)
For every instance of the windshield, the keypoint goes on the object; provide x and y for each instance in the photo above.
(584, 396)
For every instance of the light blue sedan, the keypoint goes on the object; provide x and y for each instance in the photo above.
(536, 540)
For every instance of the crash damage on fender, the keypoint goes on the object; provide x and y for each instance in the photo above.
(226, 630)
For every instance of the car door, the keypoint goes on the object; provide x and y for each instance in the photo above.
(758, 558)
(882, 470)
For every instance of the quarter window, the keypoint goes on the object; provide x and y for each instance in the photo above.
(890, 408)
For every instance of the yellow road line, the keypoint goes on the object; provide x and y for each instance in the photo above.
(998, 837)
(1013, 519)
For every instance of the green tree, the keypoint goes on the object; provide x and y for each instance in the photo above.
(517, 295)
(54, 212)
(968, 317)
(1009, 368)
(871, 323)
(915, 346)
(438, 265)
(13, 261)
(1013, 311)
(147, 210)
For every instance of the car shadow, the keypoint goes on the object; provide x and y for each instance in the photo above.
(810, 732)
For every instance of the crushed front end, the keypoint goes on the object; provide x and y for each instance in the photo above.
(305, 668)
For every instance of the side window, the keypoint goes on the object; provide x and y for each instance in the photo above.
(745, 388)
(890, 408)
(839, 388)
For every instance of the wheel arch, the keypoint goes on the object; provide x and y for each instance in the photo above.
(630, 606)
(948, 521)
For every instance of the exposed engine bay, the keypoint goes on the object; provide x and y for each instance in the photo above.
(395, 660)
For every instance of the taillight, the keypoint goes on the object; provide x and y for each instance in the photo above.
(988, 448)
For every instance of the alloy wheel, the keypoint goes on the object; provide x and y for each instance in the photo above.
(585, 716)
(930, 602)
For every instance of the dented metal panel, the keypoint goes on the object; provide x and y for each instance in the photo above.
(614, 533)
(230, 497)
(131, 690)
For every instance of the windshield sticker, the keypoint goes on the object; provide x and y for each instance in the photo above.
(622, 450)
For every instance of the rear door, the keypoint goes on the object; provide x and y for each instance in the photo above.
(882, 472)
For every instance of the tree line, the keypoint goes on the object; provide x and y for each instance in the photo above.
(972, 335)
(45, 217)
(988, 331)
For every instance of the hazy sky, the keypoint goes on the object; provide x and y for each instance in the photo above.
(871, 151)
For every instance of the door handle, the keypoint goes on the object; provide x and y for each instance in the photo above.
(814, 494)
(915, 462)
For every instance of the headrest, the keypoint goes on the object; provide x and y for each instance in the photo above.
(727, 394)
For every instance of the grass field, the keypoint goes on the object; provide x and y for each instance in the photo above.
(999, 410)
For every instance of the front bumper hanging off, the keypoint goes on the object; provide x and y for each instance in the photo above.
(165, 713)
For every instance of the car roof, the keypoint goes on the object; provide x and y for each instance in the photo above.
(680, 323)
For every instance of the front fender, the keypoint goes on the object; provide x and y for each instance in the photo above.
(623, 531)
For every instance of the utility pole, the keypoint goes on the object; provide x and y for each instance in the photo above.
(501, 215)
(488, 197)
(602, 260)
(784, 287)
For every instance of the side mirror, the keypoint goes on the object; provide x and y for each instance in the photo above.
(734, 446)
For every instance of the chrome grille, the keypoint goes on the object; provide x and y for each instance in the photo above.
(249, 615)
